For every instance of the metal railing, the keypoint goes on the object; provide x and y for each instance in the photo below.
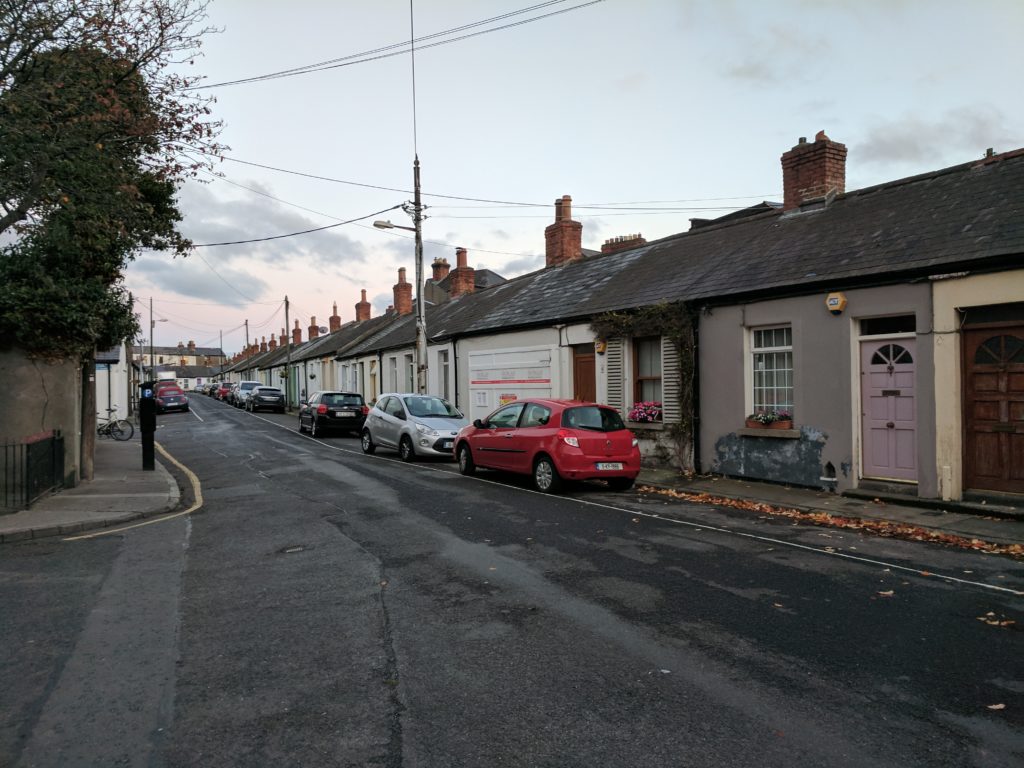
(30, 469)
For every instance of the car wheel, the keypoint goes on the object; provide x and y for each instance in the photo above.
(367, 442)
(466, 465)
(405, 450)
(545, 476)
(301, 428)
(621, 483)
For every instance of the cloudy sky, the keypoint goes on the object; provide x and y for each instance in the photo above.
(647, 112)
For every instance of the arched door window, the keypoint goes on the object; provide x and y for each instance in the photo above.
(892, 354)
(1000, 350)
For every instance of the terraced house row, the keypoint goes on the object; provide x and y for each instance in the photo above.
(840, 339)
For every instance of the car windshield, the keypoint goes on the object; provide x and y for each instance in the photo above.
(593, 418)
(336, 400)
(423, 406)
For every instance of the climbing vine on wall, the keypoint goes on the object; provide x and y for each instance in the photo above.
(676, 322)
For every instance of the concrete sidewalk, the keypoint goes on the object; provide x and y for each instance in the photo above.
(999, 524)
(122, 491)
(119, 492)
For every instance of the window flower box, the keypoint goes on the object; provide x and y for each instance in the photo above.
(645, 412)
(770, 420)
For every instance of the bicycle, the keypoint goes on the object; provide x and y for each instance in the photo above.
(119, 429)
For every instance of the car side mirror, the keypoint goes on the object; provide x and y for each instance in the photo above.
(303, 402)
(479, 424)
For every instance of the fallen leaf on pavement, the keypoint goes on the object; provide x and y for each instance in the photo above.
(997, 706)
(887, 593)
(884, 528)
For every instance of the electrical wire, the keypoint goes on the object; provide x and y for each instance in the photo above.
(292, 234)
(388, 51)
(500, 203)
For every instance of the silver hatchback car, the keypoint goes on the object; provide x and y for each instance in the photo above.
(414, 425)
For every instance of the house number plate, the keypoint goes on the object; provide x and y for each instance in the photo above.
(890, 393)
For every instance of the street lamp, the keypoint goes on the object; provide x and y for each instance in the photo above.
(416, 212)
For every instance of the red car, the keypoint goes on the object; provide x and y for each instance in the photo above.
(552, 440)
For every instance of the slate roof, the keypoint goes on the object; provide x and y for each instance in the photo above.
(178, 351)
(970, 216)
(964, 217)
(347, 336)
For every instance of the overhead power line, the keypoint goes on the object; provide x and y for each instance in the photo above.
(399, 49)
(294, 234)
(499, 203)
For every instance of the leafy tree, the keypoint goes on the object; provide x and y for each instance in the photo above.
(66, 265)
(95, 134)
(153, 39)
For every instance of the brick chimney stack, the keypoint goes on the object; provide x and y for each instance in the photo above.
(813, 170)
(191, 347)
(296, 334)
(314, 329)
(272, 344)
(563, 240)
(463, 277)
(622, 243)
(334, 321)
(403, 294)
(441, 269)
(362, 308)
(263, 343)
(284, 337)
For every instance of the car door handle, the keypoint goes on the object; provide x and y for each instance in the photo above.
(509, 435)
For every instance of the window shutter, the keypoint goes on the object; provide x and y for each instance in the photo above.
(616, 372)
(669, 381)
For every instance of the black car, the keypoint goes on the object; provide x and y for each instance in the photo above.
(325, 411)
(265, 399)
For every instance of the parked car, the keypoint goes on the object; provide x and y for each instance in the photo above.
(241, 393)
(414, 425)
(327, 411)
(552, 440)
(265, 399)
(170, 399)
(222, 391)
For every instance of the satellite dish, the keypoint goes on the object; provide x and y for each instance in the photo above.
(323, 329)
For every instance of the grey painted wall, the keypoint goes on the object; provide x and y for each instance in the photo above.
(39, 396)
(826, 360)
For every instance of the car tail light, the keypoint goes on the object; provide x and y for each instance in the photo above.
(568, 438)
(366, 409)
(321, 409)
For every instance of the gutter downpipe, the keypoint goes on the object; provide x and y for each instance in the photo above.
(696, 394)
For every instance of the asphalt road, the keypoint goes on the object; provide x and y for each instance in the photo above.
(326, 608)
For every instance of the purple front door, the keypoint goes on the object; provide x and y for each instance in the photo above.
(888, 410)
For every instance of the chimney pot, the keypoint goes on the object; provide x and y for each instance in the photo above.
(563, 240)
(362, 308)
(811, 171)
(403, 294)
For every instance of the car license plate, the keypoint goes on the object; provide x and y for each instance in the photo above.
(344, 414)
(446, 444)
(609, 465)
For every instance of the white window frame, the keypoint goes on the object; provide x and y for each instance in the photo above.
(752, 354)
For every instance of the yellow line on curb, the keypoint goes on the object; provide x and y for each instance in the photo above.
(196, 489)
